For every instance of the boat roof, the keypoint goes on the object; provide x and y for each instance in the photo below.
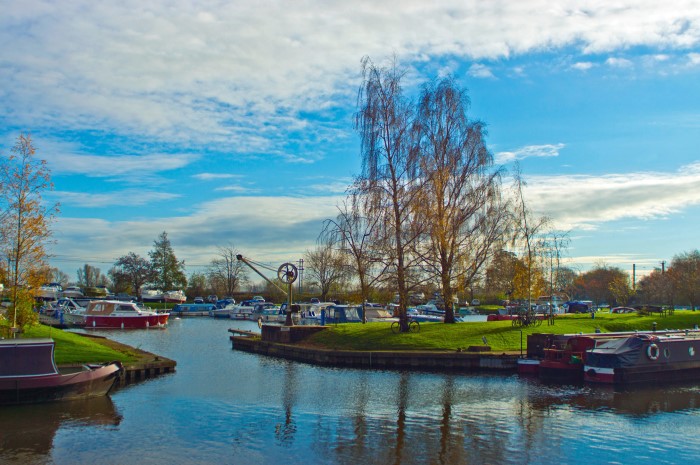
(26, 357)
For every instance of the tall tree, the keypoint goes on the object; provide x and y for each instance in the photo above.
(354, 233)
(390, 182)
(596, 284)
(133, 271)
(197, 285)
(325, 267)
(226, 272)
(685, 272)
(26, 223)
(461, 203)
(528, 231)
(169, 272)
(91, 276)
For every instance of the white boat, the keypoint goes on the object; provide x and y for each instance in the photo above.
(49, 291)
(73, 292)
(265, 312)
(176, 296)
(151, 295)
(243, 310)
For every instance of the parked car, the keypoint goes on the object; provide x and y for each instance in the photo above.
(212, 299)
(258, 298)
(199, 300)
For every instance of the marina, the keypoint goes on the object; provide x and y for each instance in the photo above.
(247, 408)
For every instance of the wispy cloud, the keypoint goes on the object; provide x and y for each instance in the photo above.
(538, 151)
(586, 202)
(583, 65)
(130, 197)
(618, 62)
(213, 176)
(479, 70)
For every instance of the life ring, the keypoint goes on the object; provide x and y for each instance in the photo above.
(653, 352)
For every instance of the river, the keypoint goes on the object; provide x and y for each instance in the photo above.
(227, 407)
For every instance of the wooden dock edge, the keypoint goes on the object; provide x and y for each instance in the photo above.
(416, 360)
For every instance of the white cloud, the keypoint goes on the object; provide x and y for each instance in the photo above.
(583, 65)
(547, 150)
(129, 197)
(694, 59)
(585, 202)
(480, 71)
(218, 73)
(267, 228)
(618, 62)
(212, 176)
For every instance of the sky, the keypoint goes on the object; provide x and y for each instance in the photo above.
(230, 123)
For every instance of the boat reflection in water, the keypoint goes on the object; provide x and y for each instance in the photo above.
(27, 432)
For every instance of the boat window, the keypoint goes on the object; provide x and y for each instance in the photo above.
(126, 308)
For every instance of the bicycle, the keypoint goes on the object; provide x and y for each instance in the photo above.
(413, 327)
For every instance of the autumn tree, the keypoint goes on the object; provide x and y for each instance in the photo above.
(130, 273)
(528, 232)
(595, 284)
(325, 267)
(169, 272)
(685, 272)
(621, 290)
(460, 199)
(25, 229)
(390, 182)
(227, 273)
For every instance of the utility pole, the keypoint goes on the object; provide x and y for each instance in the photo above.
(634, 276)
(301, 273)
(663, 266)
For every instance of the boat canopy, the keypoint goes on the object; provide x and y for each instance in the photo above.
(27, 357)
(617, 352)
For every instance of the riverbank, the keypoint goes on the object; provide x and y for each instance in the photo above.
(76, 349)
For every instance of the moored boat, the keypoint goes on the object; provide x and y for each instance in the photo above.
(28, 374)
(174, 296)
(645, 358)
(184, 310)
(117, 314)
(49, 291)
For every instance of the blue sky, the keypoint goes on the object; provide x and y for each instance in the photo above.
(231, 123)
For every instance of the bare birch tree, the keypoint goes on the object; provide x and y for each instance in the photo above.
(226, 271)
(390, 179)
(356, 234)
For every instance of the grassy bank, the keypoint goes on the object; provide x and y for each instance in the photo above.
(501, 335)
(74, 348)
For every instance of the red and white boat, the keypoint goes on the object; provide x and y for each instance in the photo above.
(123, 315)
(28, 374)
(175, 296)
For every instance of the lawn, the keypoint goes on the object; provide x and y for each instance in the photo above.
(500, 335)
(74, 348)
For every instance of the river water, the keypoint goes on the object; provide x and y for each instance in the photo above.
(227, 407)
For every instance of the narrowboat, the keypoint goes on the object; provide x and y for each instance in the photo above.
(28, 374)
(645, 358)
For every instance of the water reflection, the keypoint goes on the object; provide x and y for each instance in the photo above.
(225, 406)
(27, 432)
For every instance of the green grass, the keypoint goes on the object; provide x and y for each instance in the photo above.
(501, 335)
(74, 348)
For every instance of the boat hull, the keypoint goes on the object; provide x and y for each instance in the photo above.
(126, 322)
(94, 382)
